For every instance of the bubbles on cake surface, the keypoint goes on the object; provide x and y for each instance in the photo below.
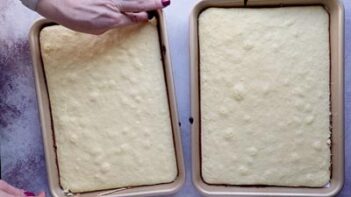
(296, 119)
(238, 92)
(308, 107)
(117, 150)
(243, 170)
(248, 46)
(138, 99)
(252, 151)
(125, 147)
(133, 79)
(266, 88)
(105, 167)
(146, 143)
(146, 133)
(229, 135)
(71, 77)
(94, 96)
(298, 91)
(247, 118)
(73, 138)
(111, 83)
(309, 119)
(299, 131)
(125, 130)
(224, 111)
(294, 157)
(317, 145)
(96, 151)
(289, 23)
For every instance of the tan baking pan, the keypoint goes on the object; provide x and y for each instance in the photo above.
(336, 18)
(48, 132)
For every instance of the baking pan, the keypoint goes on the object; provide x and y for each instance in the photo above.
(336, 34)
(48, 132)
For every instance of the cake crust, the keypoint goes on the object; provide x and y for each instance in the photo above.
(264, 76)
(109, 107)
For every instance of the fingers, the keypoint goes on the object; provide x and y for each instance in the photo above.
(5, 187)
(124, 19)
(41, 194)
(136, 17)
(140, 5)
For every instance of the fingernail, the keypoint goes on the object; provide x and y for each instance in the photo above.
(151, 14)
(29, 194)
(165, 2)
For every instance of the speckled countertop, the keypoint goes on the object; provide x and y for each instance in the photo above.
(21, 149)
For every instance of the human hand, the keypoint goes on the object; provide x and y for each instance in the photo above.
(6, 190)
(98, 16)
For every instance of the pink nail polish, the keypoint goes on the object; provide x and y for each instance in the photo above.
(165, 2)
(29, 194)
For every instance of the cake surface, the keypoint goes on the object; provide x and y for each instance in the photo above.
(109, 107)
(264, 76)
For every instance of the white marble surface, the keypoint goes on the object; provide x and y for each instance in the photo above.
(22, 160)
